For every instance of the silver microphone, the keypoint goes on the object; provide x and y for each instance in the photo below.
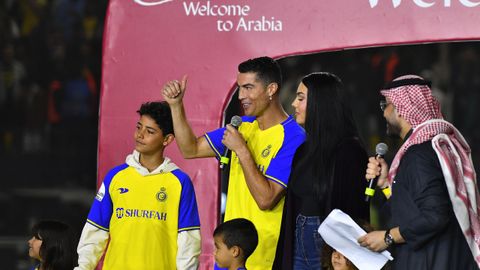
(236, 121)
(381, 149)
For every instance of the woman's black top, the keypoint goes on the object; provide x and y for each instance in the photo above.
(347, 194)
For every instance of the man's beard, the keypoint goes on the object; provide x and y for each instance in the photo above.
(393, 130)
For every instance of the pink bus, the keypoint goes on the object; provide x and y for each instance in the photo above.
(148, 42)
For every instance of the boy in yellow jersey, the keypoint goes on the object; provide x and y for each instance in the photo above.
(235, 240)
(146, 207)
(262, 151)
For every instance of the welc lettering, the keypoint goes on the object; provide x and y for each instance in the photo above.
(207, 9)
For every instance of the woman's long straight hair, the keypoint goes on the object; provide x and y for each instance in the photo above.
(329, 121)
(58, 249)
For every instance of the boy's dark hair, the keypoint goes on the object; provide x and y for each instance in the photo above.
(58, 249)
(239, 232)
(160, 112)
(267, 70)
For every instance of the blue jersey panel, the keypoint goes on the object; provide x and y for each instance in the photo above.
(188, 218)
(216, 267)
(101, 211)
(281, 165)
(248, 119)
(214, 139)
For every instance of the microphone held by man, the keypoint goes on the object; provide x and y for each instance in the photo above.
(381, 149)
(235, 122)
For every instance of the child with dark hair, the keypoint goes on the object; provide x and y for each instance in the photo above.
(53, 245)
(235, 240)
(334, 260)
(146, 207)
(160, 112)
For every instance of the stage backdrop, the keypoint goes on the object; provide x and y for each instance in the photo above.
(148, 42)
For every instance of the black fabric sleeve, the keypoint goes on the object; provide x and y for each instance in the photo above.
(426, 202)
(349, 180)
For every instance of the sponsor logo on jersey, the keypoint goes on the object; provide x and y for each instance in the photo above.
(123, 190)
(162, 194)
(120, 213)
(266, 151)
(100, 193)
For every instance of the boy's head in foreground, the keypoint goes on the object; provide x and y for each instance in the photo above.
(154, 130)
(235, 240)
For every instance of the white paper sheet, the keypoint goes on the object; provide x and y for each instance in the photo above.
(341, 233)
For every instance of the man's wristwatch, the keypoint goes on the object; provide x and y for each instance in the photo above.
(388, 238)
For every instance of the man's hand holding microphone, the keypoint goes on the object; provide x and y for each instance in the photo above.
(377, 172)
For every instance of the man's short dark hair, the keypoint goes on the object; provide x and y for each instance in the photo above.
(267, 70)
(238, 232)
(160, 112)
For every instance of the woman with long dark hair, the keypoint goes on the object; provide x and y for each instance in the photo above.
(326, 170)
(53, 244)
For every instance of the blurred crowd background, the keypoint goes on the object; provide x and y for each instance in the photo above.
(50, 71)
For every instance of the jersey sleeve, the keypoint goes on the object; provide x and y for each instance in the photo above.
(188, 218)
(189, 247)
(280, 167)
(214, 139)
(101, 210)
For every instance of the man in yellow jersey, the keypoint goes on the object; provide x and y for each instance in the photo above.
(146, 206)
(262, 151)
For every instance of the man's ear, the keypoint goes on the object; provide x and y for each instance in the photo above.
(236, 251)
(272, 89)
(168, 139)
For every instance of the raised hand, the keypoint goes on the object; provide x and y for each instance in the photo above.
(173, 91)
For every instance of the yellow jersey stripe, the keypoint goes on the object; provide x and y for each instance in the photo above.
(212, 146)
(189, 229)
(98, 226)
(290, 119)
(276, 180)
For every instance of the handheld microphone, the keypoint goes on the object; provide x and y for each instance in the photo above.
(381, 149)
(224, 159)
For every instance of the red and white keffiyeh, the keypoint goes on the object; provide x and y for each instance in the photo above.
(421, 110)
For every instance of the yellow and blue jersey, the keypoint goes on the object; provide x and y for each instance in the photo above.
(144, 215)
(272, 150)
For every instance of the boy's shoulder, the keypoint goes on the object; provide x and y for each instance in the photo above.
(181, 175)
(119, 167)
(113, 171)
